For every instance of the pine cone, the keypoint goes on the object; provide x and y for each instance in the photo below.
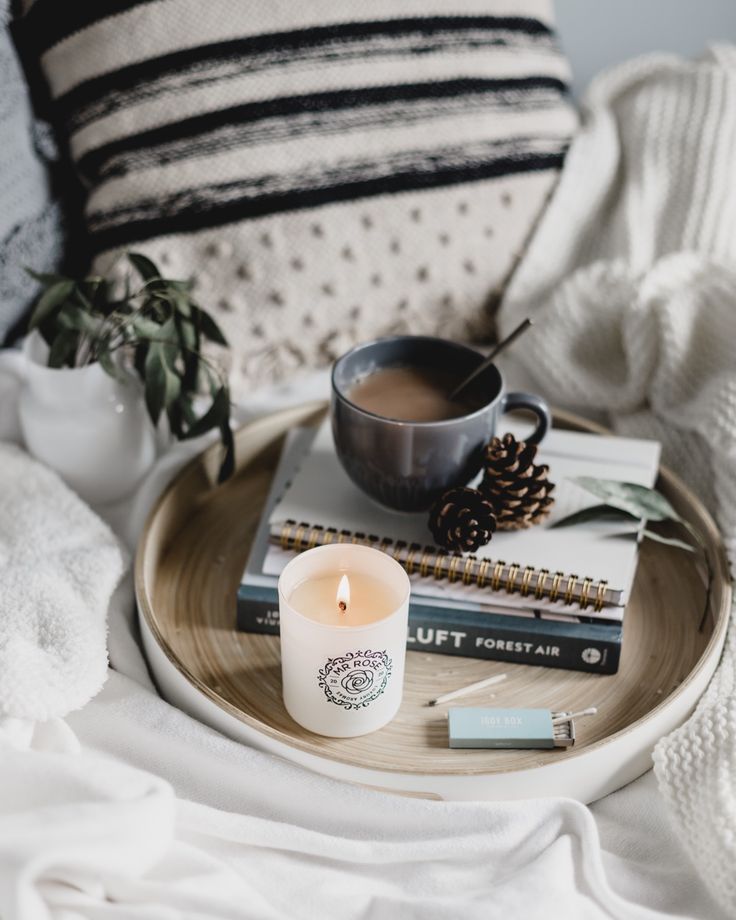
(462, 520)
(518, 489)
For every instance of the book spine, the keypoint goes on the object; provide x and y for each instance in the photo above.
(591, 647)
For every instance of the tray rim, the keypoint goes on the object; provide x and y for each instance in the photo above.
(208, 460)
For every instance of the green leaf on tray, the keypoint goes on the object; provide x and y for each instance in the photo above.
(669, 541)
(638, 501)
(629, 500)
(595, 513)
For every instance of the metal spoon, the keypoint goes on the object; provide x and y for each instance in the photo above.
(502, 345)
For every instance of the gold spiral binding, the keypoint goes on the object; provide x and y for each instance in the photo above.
(298, 534)
(451, 573)
(525, 579)
(511, 580)
(584, 592)
(496, 576)
(439, 564)
(571, 582)
(424, 562)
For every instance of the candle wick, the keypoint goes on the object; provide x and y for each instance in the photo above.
(342, 605)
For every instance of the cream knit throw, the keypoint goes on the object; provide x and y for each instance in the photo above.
(632, 276)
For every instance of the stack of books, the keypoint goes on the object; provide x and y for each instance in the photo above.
(543, 596)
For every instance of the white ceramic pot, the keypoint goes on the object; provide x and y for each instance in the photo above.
(92, 429)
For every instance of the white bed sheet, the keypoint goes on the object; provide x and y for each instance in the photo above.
(150, 814)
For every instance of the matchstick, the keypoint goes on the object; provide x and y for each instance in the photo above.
(478, 685)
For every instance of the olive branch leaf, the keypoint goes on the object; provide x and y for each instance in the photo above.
(631, 501)
(154, 327)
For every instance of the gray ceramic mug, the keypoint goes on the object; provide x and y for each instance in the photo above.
(406, 465)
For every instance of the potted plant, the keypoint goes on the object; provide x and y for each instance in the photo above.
(106, 362)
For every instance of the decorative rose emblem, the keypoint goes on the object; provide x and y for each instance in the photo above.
(355, 679)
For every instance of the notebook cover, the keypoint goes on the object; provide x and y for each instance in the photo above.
(321, 493)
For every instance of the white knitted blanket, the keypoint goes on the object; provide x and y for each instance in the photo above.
(632, 277)
(59, 565)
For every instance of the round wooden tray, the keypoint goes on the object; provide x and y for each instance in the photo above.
(188, 567)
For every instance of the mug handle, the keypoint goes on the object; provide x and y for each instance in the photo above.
(532, 403)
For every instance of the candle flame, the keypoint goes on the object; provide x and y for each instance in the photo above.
(343, 593)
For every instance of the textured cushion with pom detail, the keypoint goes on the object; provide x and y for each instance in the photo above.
(330, 170)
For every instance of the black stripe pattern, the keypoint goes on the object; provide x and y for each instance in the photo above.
(213, 205)
(203, 65)
(49, 22)
(335, 112)
(190, 109)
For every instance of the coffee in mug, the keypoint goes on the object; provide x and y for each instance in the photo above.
(411, 394)
(398, 436)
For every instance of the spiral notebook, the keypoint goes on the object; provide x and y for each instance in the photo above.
(588, 566)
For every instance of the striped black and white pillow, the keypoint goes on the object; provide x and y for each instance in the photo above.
(331, 170)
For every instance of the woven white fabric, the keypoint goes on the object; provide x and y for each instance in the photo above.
(631, 276)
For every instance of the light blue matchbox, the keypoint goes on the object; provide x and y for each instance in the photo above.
(481, 727)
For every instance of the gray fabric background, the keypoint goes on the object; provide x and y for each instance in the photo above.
(30, 221)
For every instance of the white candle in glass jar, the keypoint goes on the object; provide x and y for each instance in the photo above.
(343, 612)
